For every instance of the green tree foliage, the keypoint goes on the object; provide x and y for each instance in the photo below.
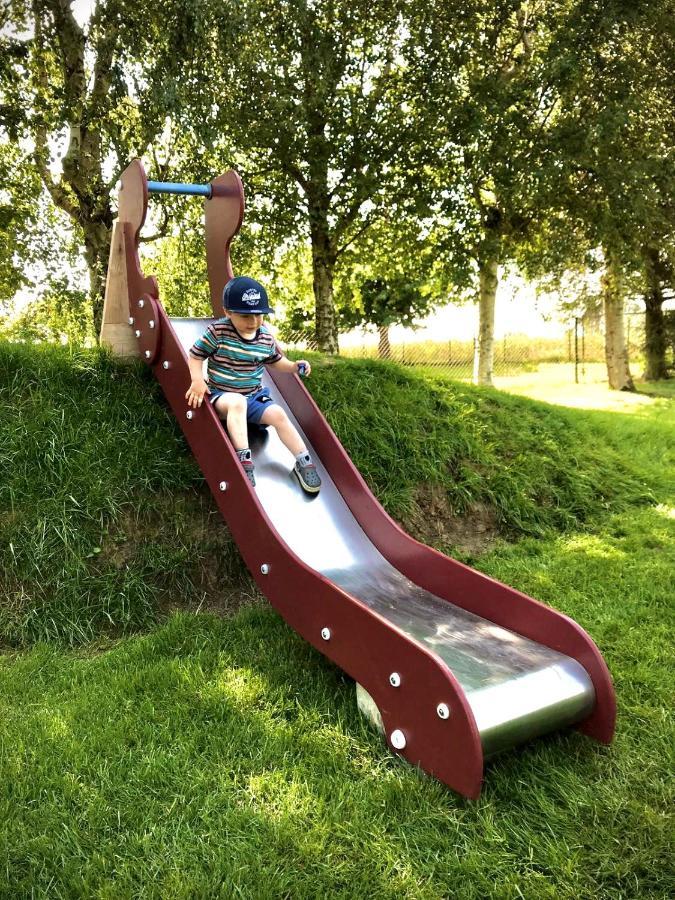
(613, 145)
(393, 153)
(61, 315)
(40, 266)
(19, 205)
(391, 278)
(543, 150)
(485, 107)
(82, 98)
(179, 260)
(310, 94)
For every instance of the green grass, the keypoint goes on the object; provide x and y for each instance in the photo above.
(221, 757)
(530, 462)
(657, 388)
(104, 520)
(226, 755)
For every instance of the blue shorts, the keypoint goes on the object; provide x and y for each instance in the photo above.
(256, 403)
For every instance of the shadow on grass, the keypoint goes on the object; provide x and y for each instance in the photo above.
(221, 757)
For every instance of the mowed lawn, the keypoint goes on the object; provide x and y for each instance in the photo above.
(224, 757)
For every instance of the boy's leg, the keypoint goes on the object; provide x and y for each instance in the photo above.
(304, 468)
(288, 434)
(232, 407)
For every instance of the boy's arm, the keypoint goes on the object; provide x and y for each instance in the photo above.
(288, 365)
(198, 387)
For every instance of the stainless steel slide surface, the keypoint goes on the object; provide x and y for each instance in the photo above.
(516, 688)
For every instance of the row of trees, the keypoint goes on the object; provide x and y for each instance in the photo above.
(413, 149)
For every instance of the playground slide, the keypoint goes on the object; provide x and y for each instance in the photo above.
(457, 666)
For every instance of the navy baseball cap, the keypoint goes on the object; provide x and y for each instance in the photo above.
(246, 295)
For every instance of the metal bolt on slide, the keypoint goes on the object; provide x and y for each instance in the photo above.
(397, 739)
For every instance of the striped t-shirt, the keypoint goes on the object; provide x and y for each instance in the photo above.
(235, 364)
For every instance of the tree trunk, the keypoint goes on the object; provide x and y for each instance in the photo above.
(383, 346)
(97, 235)
(655, 333)
(488, 269)
(323, 264)
(616, 352)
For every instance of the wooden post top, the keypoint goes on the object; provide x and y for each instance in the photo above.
(223, 215)
(132, 203)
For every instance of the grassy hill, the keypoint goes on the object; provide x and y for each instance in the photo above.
(105, 522)
(196, 754)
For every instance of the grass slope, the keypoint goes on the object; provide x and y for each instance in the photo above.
(105, 522)
(222, 757)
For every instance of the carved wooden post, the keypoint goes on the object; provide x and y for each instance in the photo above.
(116, 332)
(223, 215)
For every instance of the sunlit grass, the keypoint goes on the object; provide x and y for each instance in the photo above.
(226, 756)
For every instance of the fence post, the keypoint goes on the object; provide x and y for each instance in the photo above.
(583, 349)
(576, 350)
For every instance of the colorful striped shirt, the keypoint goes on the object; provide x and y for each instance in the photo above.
(235, 364)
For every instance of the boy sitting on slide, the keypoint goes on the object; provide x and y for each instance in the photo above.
(237, 347)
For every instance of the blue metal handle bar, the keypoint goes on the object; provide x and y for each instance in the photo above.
(171, 187)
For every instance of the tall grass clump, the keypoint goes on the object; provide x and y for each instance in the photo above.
(101, 517)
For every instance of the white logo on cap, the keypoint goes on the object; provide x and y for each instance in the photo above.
(251, 296)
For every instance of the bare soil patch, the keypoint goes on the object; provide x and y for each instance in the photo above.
(187, 524)
(433, 522)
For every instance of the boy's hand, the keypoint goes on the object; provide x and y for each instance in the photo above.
(195, 393)
(303, 368)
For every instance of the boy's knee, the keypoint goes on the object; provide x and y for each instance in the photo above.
(231, 404)
(277, 416)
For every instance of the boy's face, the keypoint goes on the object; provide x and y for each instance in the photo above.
(246, 323)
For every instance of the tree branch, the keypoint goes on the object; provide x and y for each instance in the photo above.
(366, 225)
(61, 197)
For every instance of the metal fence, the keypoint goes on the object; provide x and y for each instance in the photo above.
(578, 345)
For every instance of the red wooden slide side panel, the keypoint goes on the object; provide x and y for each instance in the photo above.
(447, 578)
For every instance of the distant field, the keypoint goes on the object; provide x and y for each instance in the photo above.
(514, 356)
